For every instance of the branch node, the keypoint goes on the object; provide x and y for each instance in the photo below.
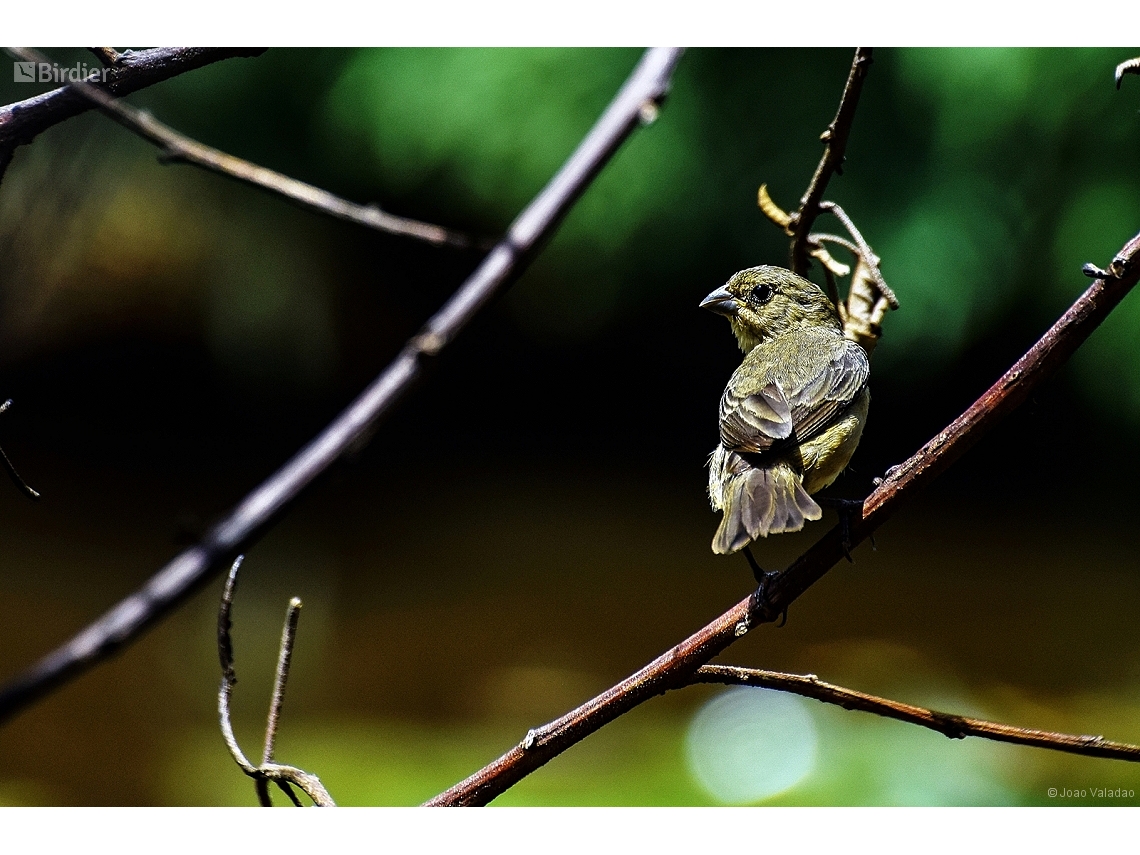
(108, 56)
(835, 141)
(429, 343)
(530, 739)
(949, 725)
(1115, 270)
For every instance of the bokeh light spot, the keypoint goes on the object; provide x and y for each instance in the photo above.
(746, 744)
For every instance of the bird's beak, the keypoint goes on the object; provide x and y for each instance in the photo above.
(721, 302)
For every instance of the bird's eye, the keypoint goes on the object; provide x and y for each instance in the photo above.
(762, 293)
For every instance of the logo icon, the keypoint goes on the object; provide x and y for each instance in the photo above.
(24, 72)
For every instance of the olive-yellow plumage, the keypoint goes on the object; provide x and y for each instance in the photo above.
(792, 413)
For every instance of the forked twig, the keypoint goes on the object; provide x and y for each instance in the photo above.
(179, 148)
(835, 140)
(948, 724)
(281, 775)
(868, 295)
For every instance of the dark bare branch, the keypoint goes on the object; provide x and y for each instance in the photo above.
(677, 666)
(22, 121)
(948, 724)
(635, 103)
(179, 148)
(835, 140)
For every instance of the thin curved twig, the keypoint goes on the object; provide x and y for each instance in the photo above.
(283, 776)
(11, 469)
(284, 658)
(634, 104)
(835, 139)
(22, 121)
(179, 148)
(677, 666)
(948, 724)
(838, 240)
(864, 250)
(229, 675)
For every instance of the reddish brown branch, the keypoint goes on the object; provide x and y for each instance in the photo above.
(835, 139)
(1038, 364)
(677, 666)
(948, 724)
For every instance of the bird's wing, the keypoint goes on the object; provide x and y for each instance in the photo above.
(817, 402)
(754, 420)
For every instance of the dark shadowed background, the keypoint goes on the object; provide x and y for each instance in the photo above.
(530, 526)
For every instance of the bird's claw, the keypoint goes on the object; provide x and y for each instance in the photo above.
(759, 603)
(846, 508)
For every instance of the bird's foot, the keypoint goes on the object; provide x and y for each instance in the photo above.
(847, 509)
(759, 603)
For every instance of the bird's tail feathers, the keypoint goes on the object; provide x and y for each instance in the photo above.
(758, 502)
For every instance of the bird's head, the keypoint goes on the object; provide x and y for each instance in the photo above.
(764, 302)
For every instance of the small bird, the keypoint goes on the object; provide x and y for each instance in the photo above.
(793, 411)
